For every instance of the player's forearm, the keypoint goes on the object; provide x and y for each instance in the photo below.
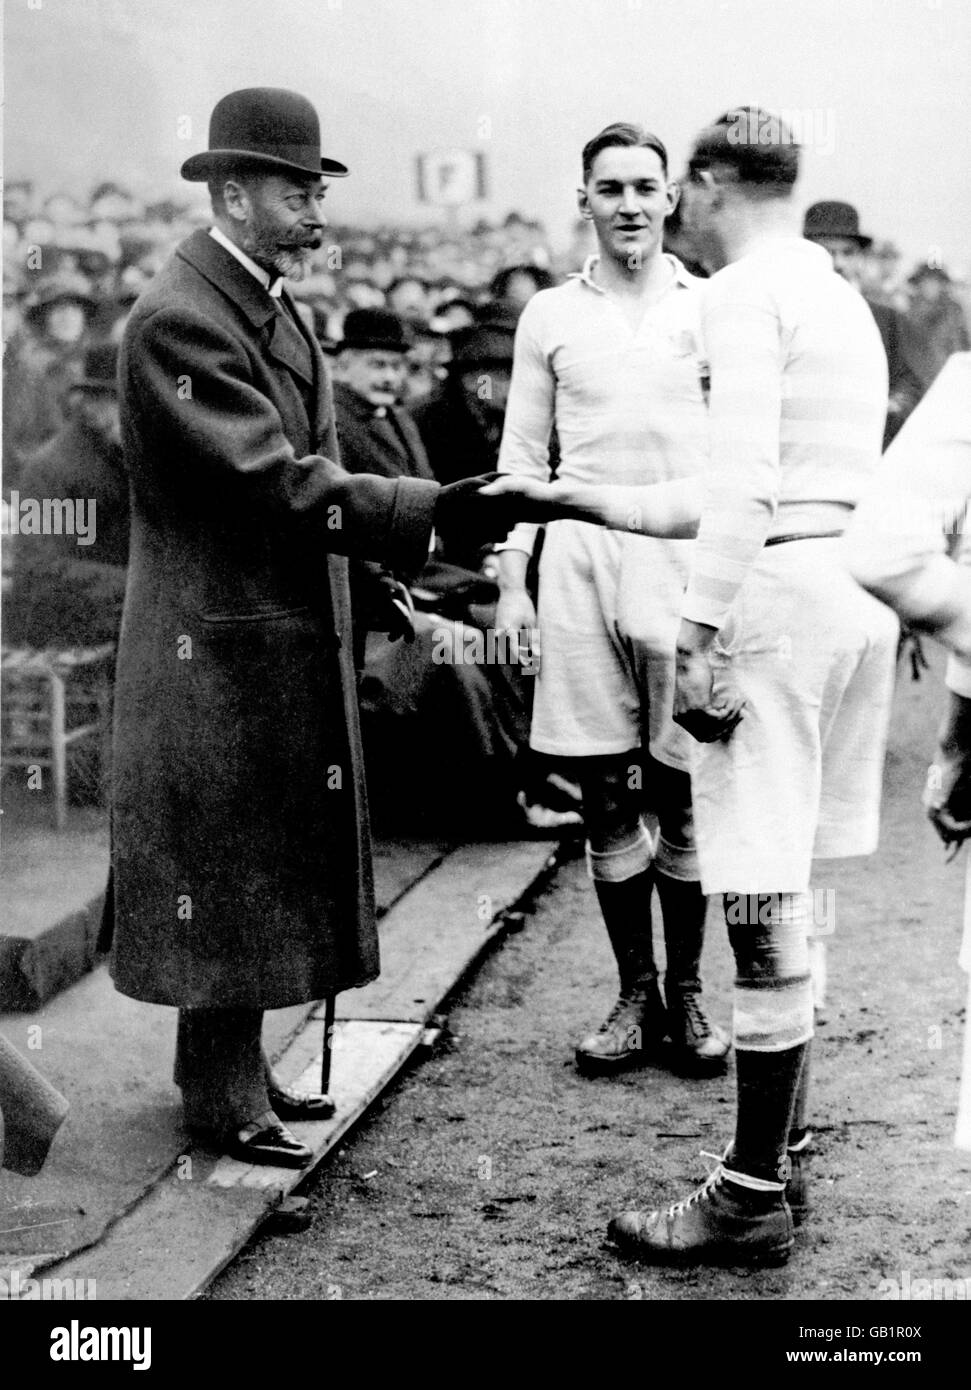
(513, 565)
(669, 510)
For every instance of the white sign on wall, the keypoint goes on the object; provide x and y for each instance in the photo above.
(450, 178)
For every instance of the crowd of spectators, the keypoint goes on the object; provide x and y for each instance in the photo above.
(72, 269)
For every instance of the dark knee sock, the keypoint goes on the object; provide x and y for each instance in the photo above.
(799, 1121)
(767, 1086)
(626, 909)
(683, 907)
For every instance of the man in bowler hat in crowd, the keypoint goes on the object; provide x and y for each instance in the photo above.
(836, 228)
(241, 861)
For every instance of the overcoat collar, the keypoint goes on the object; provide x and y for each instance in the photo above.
(287, 343)
(228, 275)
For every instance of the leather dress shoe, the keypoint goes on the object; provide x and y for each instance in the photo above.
(273, 1145)
(299, 1105)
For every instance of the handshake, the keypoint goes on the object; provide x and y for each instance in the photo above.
(486, 508)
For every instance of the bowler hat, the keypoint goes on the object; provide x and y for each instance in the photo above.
(375, 329)
(100, 370)
(834, 219)
(267, 127)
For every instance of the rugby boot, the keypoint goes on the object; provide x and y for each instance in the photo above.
(797, 1188)
(731, 1219)
(635, 1027)
(700, 1048)
(630, 1035)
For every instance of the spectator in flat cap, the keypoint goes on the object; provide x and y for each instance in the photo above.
(463, 428)
(836, 227)
(937, 316)
(68, 588)
(43, 359)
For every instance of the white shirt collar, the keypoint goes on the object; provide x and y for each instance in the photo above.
(585, 276)
(257, 271)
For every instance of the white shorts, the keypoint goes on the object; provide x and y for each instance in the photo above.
(609, 611)
(800, 776)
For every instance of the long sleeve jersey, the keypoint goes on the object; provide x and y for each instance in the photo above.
(796, 411)
(627, 403)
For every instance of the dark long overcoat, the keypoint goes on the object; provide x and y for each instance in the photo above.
(240, 848)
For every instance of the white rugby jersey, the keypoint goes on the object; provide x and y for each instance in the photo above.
(797, 405)
(627, 403)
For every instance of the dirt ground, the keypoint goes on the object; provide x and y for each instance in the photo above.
(491, 1169)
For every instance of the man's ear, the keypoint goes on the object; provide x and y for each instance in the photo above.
(714, 187)
(583, 203)
(238, 202)
(674, 195)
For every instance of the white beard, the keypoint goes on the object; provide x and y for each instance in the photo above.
(290, 262)
(293, 264)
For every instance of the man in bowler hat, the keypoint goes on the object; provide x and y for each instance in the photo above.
(240, 844)
(836, 228)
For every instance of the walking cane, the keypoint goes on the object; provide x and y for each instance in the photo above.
(330, 1004)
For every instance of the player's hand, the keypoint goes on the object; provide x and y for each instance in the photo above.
(516, 614)
(947, 797)
(534, 499)
(707, 704)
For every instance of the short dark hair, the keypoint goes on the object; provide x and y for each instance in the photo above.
(232, 173)
(756, 145)
(248, 172)
(625, 134)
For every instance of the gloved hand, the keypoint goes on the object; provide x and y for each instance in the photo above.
(462, 511)
(381, 602)
(398, 618)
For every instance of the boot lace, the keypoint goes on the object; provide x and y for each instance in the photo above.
(701, 1193)
(694, 1016)
(627, 999)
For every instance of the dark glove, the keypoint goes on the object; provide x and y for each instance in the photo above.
(464, 515)
(381, 602)
(399, 610)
